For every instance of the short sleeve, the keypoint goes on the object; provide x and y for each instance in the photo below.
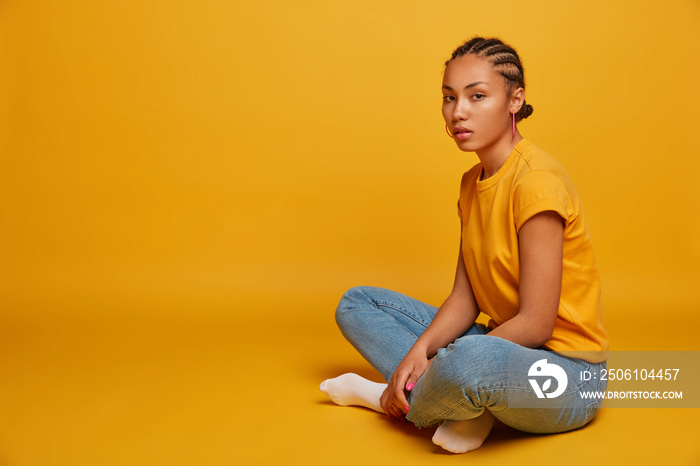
(540, 191)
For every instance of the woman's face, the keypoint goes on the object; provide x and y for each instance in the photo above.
(475, 105)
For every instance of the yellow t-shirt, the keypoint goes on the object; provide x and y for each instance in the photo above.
(492, 212)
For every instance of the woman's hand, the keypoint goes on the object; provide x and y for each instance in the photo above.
(411, 368)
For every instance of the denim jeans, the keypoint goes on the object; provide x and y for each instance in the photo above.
(474, 372)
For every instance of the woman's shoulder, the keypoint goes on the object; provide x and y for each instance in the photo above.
(542, 177)
(537, 159)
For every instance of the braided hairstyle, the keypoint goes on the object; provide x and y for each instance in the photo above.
(504, 59)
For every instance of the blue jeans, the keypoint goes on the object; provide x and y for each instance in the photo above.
(473, 373)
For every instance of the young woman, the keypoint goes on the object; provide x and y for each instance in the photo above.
(525, 260)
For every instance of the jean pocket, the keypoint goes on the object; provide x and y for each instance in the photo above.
(596, 389)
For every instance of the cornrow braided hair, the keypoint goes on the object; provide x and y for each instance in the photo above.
(504, 59)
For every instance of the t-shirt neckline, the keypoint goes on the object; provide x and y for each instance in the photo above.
(493, 180)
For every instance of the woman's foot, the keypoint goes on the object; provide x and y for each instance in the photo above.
(464, 436)
(351, 389)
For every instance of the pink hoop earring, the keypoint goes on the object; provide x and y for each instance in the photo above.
(513, 123)
(448, 131)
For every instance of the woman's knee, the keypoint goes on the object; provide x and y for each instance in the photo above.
(450, 388)
(355, 299)
(473, 361)
(463, 379)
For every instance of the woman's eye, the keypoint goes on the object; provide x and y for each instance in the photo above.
(478, 96)
(447, 98)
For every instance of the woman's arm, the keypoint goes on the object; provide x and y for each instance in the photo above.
(455, 316)
(541, 241)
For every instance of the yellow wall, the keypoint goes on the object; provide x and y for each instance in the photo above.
(202, 161)
(272, 145)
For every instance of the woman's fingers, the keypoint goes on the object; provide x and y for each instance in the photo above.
(386, 401)
(398, 414)
(392, 411)
(415, 375)
(394, 400)
(411, 382)
(393, 407)
(402, 403)
(400, 397)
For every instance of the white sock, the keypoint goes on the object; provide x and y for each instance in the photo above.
(351, 389)
(464, 436)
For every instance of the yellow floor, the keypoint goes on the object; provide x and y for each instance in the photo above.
(183, 377)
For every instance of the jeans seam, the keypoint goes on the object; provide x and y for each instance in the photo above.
(445, 413)
(402, 311)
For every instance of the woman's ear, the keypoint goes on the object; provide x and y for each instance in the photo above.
(517, 99)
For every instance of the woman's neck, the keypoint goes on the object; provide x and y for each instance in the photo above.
(493, 157)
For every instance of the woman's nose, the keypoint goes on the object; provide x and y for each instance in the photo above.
(460, 110)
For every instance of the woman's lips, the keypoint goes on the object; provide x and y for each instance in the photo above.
(462, 133)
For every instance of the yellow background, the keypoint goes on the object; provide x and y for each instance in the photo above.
(187, 188)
